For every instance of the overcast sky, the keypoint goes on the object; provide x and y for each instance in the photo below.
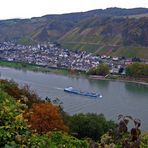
(31, 8)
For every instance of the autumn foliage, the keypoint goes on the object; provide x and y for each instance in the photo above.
(11, 88)
(25, 94)
(45, 117)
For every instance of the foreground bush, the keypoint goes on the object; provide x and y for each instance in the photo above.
(44, 117)
(55, 140)
(11, 88)
(123, 137)
(25, 94)
(64, 140)
(144, 141)
(90, 125)
(11, 120)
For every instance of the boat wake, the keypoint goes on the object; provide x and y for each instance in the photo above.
(58, 88)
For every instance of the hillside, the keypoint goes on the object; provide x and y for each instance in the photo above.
(109, 35)
(100, 31)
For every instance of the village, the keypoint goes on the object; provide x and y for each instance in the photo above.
(50, 55)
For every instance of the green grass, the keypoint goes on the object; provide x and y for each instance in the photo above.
(13, 64)
(37, 68)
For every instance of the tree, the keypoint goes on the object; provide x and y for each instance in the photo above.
(44, 117)
(90, 125)
(137, 70)
(101, 69)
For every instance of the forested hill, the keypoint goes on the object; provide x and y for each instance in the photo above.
(96, 30)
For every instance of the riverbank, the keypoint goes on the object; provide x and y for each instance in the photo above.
(37, 68)
(64, 71)
(119, 79)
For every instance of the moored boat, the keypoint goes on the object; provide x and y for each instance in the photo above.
(75, 91)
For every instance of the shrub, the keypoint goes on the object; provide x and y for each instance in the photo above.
(90, 125)
(11, 88)
(44, 117)
(121, 136)
(137, 70)
(25, 94)
(101, 69)
(11, 120)
(144, 141)
(64, 140)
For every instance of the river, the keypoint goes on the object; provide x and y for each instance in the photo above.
(118, 97)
